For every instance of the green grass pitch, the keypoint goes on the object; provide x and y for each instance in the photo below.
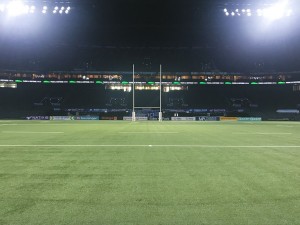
(117, 172)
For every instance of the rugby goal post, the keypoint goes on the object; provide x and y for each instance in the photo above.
(160, 118)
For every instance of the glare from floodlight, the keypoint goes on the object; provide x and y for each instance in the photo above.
(249, 14)
(225, 10)
(56, 8)
(227, 13)
(45, 7)
(54, 11)
(62, 8)
(60, 11)
(2, 8)
(15, 8)
(67, 12)
(68, 8)
(243, 10)
(277, 11)
(248, 10)
(237, 10)
(259, 12)
(44, 11)
(233, 14)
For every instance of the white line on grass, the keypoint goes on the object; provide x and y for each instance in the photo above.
(284, 126)
(148, 132)
(178, 146)
(264, 133)
(29, 132)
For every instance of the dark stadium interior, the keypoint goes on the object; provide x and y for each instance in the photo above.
(182, 35)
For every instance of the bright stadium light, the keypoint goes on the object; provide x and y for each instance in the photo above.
(16, 8)
(2, 8)
(259, 12)
(277, 11)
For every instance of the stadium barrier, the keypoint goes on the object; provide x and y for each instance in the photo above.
(108, 118)
(288, 111)
(208, 118)
(86, 117)
(183, 118)
(137, 118)
(38, 117)
(249, 119)
(61, 117)
(223, 118)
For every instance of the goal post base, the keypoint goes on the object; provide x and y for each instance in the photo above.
(160, 118)
(133, 116)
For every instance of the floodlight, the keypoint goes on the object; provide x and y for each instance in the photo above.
(69, 8)
(248, 10)
(259, 12)
(44, 11)
(45, 7)
(227, 13)
(237, 10)
(67, 12)
(2, 8)
(225, 10)
(249, 14)
(277, 11)
(54, 11)
(243, 10)
(233, 14)
(62, 8)
(56, 8)
(15, 8)
(60, 11)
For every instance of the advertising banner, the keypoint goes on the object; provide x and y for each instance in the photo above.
(290, 111)
(208, 118)
(86, 117)
(137, 118)
(61, 117)
(223, 118)
(249, 119)
(38, 117)
(183, 118)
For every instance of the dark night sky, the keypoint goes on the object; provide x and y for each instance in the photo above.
(115, 30)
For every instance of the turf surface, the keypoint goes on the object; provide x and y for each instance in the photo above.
(115, 172)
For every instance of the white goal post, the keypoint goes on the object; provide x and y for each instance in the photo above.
(160, 118)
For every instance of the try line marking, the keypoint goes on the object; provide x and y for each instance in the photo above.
(148, 132)
(29, 132)
(178, 146)
(264, 133)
